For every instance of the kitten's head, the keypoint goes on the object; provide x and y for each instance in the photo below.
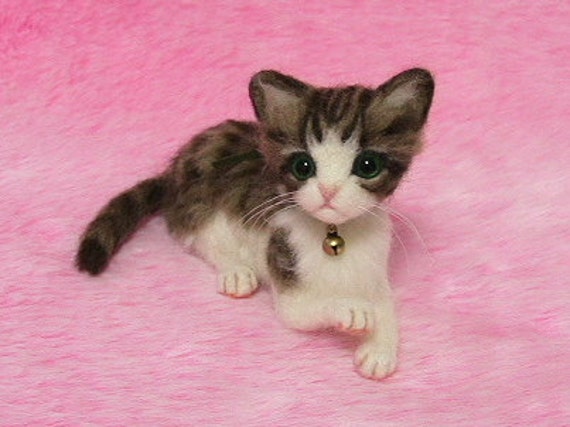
(341, 150)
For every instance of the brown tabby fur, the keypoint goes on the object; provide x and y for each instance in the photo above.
(239, 165)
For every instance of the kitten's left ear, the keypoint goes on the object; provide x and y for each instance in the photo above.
(280, 101)
(401, 104)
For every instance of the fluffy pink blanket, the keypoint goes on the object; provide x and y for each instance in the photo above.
(96, 95)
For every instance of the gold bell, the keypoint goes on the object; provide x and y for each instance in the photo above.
(333, 244)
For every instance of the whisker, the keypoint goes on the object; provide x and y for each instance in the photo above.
(267, 220)
(394, 232)
(407, 222)
(266, 202)
(260, 206)
(260, 209)
(260, 214)
(406, 256)
(284, 209)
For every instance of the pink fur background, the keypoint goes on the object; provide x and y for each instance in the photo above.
(96, 95)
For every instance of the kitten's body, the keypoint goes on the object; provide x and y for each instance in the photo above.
(255, 199)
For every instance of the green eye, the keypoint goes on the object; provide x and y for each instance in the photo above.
(369, 164)
(302, 166)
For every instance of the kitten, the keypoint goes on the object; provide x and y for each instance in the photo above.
(257, 199)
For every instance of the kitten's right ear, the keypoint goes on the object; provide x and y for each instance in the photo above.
(280, 101)
(402, 103)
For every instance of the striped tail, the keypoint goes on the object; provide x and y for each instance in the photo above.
(117, 221)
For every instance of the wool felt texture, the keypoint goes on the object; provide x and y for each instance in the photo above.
(98, 95)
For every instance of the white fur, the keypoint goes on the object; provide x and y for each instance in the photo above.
(349, 292)
(238, 254)
(334, 160)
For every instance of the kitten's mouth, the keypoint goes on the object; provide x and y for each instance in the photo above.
(326, 213)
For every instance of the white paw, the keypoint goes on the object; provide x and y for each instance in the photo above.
(238, 283)
(376, 361)
(354, 316)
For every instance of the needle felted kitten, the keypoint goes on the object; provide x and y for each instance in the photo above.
(292, 200)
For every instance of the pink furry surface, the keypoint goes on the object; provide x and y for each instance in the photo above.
(96, 95)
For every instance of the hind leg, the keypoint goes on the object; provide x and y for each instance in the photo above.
(234, 252)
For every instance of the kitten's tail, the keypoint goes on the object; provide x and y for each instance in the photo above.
(117, 221)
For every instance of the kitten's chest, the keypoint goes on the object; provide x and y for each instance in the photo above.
(362, 263)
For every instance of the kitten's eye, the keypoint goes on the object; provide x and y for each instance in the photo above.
(302, 166)
(369, 164)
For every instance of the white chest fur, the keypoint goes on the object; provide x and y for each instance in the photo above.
(349, 292)
(358, 270)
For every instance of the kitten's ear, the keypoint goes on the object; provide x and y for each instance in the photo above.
(401, 104)
(280, 101)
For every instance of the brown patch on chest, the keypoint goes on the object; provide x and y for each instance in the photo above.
(282, 260)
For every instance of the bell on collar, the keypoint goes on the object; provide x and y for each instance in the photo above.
(333, 244)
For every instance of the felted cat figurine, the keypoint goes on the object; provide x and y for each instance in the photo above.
(292, 200)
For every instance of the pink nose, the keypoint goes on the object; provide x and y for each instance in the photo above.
(328, 192)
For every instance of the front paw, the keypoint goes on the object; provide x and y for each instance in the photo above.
(376, 361)
(353, 316)
(238, 284)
